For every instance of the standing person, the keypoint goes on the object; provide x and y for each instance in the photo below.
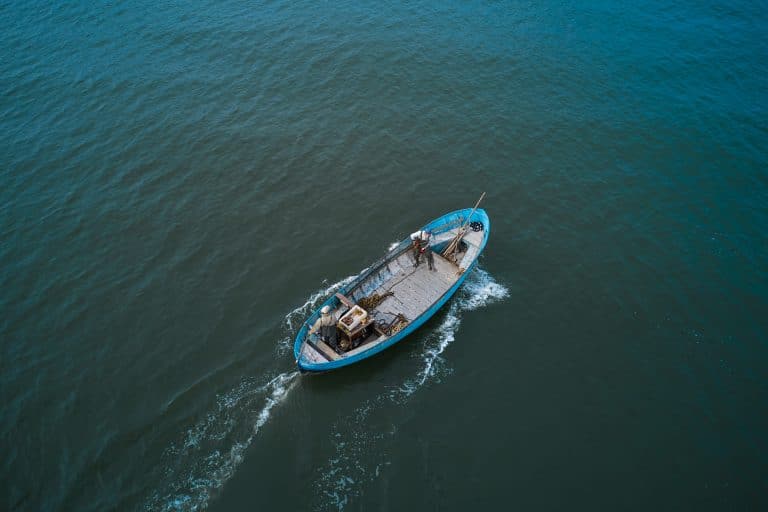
(326, 326)
(420, 241)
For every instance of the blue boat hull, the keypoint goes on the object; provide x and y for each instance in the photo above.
(478, 216)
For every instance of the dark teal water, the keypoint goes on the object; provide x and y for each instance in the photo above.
(182, 182)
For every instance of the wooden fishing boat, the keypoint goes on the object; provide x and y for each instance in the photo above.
(393, 297)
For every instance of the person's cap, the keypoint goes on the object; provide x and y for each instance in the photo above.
(326, 310)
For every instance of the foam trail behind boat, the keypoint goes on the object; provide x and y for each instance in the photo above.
(211, 450)
(205, 459)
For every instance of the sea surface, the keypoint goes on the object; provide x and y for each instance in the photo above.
(183, 182)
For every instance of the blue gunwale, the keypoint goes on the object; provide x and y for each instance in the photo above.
(435, 226)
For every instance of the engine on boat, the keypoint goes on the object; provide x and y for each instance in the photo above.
(353, 319)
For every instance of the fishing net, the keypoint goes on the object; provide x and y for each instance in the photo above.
(370, 302)
(397, 325)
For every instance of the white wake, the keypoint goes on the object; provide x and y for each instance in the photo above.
(212, 449)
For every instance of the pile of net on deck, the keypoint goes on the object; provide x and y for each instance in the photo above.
(370, 302)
